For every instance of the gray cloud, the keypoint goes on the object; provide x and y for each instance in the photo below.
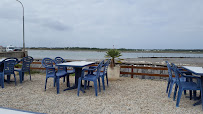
(87, 23)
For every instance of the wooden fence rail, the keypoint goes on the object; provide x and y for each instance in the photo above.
(131, 67)
(132, 73)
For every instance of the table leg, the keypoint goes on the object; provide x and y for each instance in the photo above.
(8, 78)
(201, 92)
(57, 84)
(78, 72)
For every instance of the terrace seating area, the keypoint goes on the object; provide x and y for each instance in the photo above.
(125, 95)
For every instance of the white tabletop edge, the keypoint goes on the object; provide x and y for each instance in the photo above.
(75, 63)
(198, 70)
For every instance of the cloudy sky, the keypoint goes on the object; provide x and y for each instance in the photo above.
(135, 24)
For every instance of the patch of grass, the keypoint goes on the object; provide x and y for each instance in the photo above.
(33, 72)
(18, 66)
(72, 74)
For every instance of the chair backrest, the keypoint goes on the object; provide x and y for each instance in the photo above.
(48, 63)
(99, 68)
(177, 73)
(106, 65)
(13, 58)
(169, 69)
(26, 61)
(9, 65)
(58, 60)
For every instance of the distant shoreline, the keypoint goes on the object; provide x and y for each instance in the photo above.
(198, 51)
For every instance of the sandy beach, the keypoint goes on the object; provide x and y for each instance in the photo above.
(126, 95)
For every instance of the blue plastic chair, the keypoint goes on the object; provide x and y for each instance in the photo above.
(26, 61)
(90, 77)
(187, 77)
(8, 69)
(171, 80)
(63, 70)
(104, 73)
(183, 85)
(48, 63)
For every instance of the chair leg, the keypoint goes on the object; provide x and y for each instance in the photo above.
(95, 87)
(15, 78)
(99, 84)
(107, 80)
(195, 94)
(54, 82)
(185, 92)
(85, 84)
(30, 74)
(68, 82)
(168, 86)
(170, 89)
(45, 84)
(179, 96)
(103, 83)
(23, 76)
(2, 82)
(88, 85)
(190, 94)
(79, 86)
(175, 91)
(8, 78)
(20, 76)
(57, 84)
(64, 79)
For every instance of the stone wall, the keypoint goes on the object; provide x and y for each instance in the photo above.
(17, 54)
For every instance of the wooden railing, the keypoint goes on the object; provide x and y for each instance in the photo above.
(132, 71)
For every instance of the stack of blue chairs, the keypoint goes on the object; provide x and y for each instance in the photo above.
(181, 84)
(94, 74)
(8, 69)
(51, 72)
(26, 61)
(63, 70)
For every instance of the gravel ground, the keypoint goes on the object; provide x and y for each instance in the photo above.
(122, 96)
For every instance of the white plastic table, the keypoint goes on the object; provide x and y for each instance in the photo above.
(77, 65)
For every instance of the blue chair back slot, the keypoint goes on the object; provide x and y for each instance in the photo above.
(9, 65)
(58, 60)
(48, 64)
(26, 63)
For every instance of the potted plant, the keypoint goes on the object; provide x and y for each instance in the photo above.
(114, 70)
(113, 53)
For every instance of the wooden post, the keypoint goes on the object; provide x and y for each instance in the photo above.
(132, 71)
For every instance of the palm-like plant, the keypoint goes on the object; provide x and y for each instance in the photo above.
(113, 53)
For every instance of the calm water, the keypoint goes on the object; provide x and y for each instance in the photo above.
(83, 55)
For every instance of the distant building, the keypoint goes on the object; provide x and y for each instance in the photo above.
(2, 49)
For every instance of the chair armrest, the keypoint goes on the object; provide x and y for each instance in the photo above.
(190, 76)
(50, 68)
(182, 71)
(88, 69)
(93, 67)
